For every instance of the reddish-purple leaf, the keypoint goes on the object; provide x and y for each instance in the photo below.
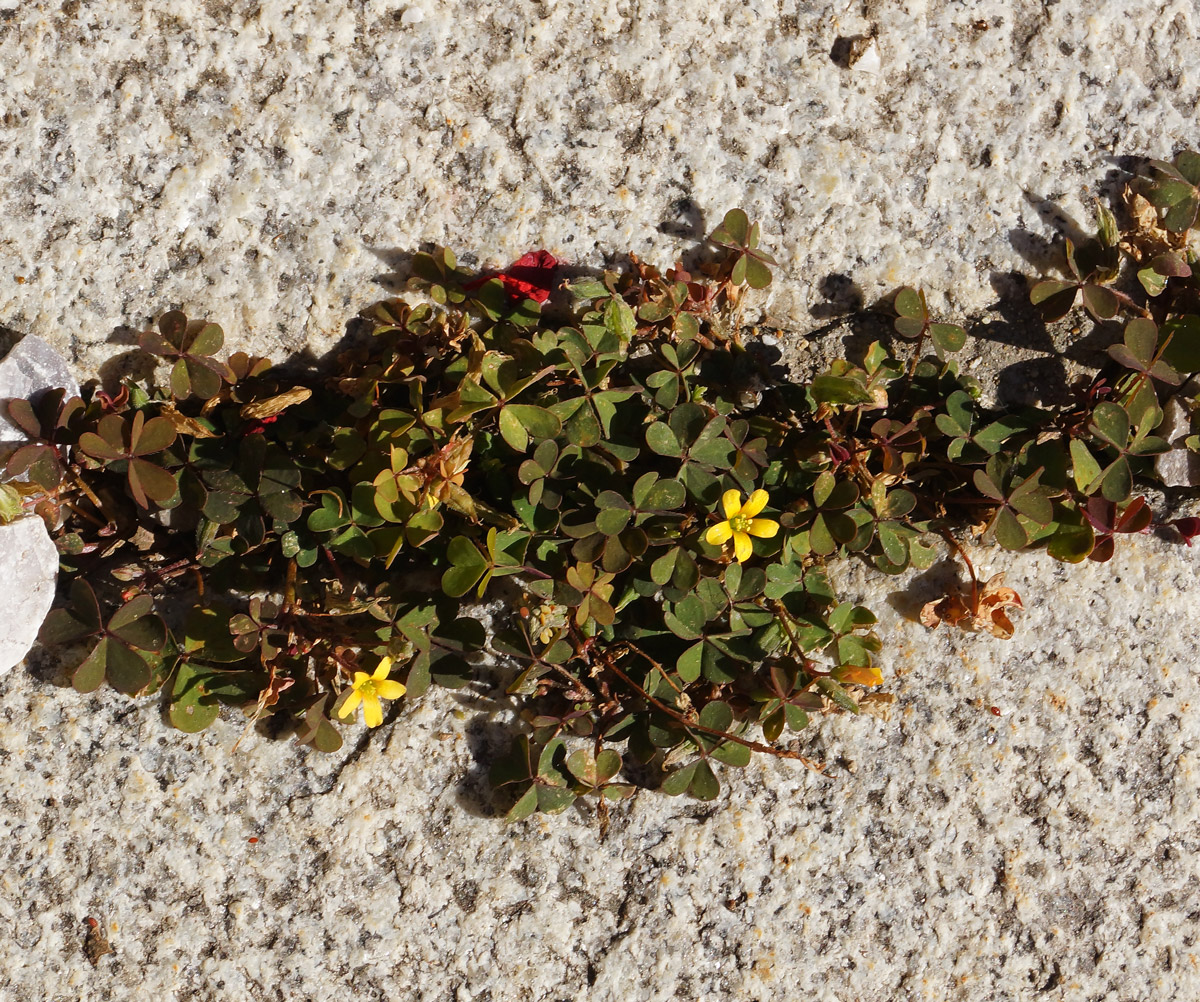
(1172, 265)
(1188, 528)
(132, 610)
(96, 447)
(1053, 298)
(1136, 517)
(157, 345)
(987, 487)
(173, 326)
(22, 415)
(148, 480)
(1100, 302)
(157, 434)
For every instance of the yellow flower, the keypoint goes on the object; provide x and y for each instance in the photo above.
(368, 690)
(740, 523)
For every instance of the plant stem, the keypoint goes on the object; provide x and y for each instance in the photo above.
(692, 726)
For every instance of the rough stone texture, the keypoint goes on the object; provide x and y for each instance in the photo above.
(264, 163)
(28, 573)
(1045, 850)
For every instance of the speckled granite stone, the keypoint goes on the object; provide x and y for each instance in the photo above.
(1045, 849)
(265, 163)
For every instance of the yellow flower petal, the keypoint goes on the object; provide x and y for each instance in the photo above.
(350, 705)
(731, 503)
(718, 534)
(757, 502)
(743, 549)
(359, 678)
(372, 711)
(763, 528)
(860, 675)
(385, 667)
(390, 689)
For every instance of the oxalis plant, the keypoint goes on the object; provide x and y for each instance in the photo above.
(610, 508)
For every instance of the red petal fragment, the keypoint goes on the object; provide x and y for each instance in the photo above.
(531, 275)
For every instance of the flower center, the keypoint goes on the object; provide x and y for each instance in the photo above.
(739, 523)
(367, 688)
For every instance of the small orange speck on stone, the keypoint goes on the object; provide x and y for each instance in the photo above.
(252, 840)
(20, 280)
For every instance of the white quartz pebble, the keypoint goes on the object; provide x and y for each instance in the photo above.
(29, 570)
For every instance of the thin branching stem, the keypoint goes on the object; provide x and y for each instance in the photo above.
(692, 725)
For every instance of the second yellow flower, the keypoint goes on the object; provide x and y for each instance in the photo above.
(740, 523)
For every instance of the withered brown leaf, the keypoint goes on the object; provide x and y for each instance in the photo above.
(1148, 237)
(259, 410)
(185, 425)
(987, 614)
